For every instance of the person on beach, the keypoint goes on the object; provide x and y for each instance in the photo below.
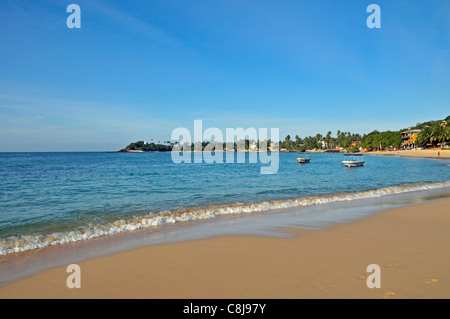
(439, 154)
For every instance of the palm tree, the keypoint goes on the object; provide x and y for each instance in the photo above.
(298, 141)
(424, 136)
(319, 137)
(440, 134)
(288, 142)
(445, 136)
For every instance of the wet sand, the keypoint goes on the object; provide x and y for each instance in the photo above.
(410, 244)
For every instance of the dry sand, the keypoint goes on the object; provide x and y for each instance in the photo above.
(411, 245)
(431, 153)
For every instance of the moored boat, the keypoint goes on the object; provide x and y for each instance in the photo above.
(303, 159)
(353, 160)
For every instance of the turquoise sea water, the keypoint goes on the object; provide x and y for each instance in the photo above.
(55, 198)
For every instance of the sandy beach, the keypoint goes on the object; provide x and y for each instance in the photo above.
(410, 244)
(431, 153)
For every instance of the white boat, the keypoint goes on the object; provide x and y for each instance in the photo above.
(353, 160)
(303, 160)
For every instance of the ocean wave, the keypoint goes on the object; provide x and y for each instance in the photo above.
(28, 242)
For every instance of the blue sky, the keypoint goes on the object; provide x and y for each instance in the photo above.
(136, 70)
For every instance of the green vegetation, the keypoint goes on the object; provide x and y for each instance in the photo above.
(433, 133)
(342, 139)
(353, 149)
(149, 147)
(382, 140)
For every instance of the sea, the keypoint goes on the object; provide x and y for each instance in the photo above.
(104, 202)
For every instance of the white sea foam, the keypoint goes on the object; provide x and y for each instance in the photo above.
(28, 242)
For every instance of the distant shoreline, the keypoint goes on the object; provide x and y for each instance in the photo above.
(235, 151)
(429, 153)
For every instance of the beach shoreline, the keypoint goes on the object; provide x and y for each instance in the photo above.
(429, 153)
(406, 242)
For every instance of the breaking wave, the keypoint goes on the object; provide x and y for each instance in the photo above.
(27, 242)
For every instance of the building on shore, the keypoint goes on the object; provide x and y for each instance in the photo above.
(325, 145)
(274, 147)
(409, 138)
(253, 147)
